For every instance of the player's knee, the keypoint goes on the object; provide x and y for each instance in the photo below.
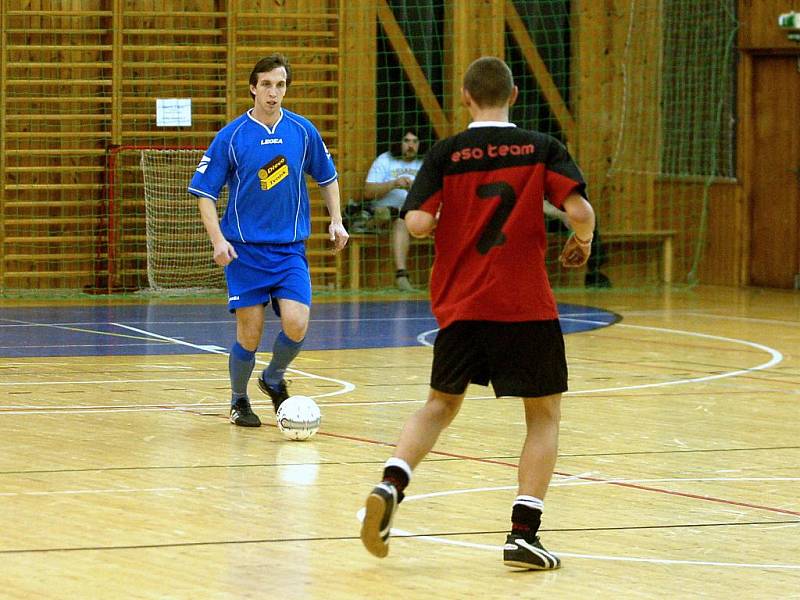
(295, 329)
(444, 406)
(544, 408)
(249, 340)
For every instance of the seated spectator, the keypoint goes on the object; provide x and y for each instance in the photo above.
(387, 183)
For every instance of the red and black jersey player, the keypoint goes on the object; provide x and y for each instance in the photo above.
(482, 190)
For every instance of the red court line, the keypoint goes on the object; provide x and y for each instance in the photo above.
(636, 486)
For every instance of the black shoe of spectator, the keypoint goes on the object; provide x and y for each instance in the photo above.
(597, 280)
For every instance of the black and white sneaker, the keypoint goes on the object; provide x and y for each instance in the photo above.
(528, 553)
(242, 415)
(277, 394)
(377, 524)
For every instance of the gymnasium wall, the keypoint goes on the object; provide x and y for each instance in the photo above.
(80, 81)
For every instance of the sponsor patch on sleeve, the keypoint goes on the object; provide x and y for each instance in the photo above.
(204, 162)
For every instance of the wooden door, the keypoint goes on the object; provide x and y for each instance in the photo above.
(775, 202)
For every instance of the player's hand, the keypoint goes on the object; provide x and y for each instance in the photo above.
(403, 182)
(224, 253)
(576, 251)
(339, 236)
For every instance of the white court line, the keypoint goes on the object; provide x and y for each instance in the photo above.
(117, 381)
(101, 409)
(676, 480)
(638, 559)
(153, 490)
(707, 315)
(91, 492)
(777, 357)
(19, 323)
(346, 385)
(569, 481)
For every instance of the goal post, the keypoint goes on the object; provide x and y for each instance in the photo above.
(178, 251)
(155, 237)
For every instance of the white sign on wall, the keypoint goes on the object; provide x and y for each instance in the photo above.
(173, 112)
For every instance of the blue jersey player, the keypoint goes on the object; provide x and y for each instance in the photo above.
(263, 156)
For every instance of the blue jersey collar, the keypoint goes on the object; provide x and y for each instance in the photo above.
(270, 130)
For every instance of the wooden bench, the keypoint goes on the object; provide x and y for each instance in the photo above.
(359, 241)
(659, 237)
(663, 238)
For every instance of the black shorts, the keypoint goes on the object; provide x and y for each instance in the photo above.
(520, 359)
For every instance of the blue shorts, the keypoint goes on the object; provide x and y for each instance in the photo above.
(266, 272)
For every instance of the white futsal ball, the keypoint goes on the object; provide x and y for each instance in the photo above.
(298, 418)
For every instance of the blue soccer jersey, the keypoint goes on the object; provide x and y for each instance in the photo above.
(264, 168)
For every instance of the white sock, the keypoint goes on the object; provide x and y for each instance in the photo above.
(530, 502)
(399, 462)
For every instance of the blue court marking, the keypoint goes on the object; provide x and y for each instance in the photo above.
(91, 330)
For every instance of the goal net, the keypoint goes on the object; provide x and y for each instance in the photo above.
(179, 255)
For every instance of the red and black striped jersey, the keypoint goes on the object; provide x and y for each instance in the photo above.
(487, 185)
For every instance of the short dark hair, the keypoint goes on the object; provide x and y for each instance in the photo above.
(396, 145)
(267, 64)
(489, 81)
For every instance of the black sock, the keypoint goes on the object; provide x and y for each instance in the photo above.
(525, 521)
(398, 478)
(401, 273)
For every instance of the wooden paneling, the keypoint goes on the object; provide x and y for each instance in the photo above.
(759, 25)
(357, 102)
(475, 29)
(679, 204)
(3, 95)
(593, 77)
(412, 70)
(80, 78)
(723, 251)
(56, 118)
(617, 73)
(775, 192)
(768, 145)
(539, 70)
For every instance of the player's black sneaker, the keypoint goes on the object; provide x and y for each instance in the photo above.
(277, 394)
(528, 553)
(242, 415)
(377, 524)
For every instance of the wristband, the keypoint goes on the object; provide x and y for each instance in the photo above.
(583, 242)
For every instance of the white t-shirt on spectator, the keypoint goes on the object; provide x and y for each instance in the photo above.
(386, 168)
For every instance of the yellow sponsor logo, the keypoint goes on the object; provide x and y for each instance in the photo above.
(273, 173)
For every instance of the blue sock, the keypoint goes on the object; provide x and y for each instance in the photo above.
(283, 352)
(240, 367)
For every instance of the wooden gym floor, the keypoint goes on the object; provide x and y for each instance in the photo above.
(120, 476)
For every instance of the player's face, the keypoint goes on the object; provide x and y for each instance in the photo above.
(410, 146)
(269, 93)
